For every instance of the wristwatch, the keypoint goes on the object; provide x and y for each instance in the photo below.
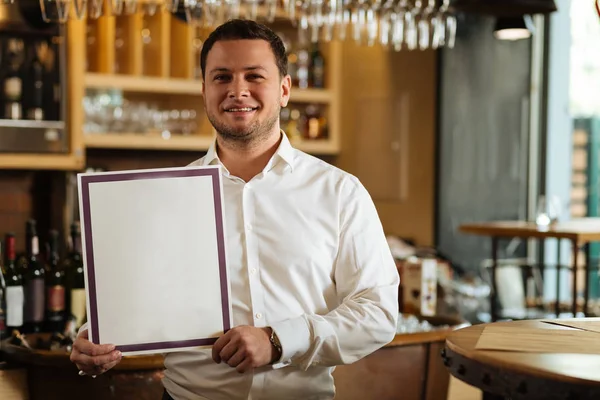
(275, 343)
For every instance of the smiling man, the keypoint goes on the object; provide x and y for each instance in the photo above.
(313, 283)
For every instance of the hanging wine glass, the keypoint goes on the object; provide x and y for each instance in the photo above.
(386, 21)
(95, 9)
(80, 7)
(55, 10)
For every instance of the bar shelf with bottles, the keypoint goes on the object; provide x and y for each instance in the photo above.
(42, 291)
(33, 121)
(146, 65)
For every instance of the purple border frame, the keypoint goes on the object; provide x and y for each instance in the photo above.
(214, 173)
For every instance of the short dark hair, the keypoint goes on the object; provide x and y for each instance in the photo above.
(239, 29)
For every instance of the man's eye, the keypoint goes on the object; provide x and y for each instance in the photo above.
(255, 76)
(221, 77)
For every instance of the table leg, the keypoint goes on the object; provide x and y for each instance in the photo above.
(494, 294)
(539, 279)
(575, 250)
(586, 280)
(557, 303)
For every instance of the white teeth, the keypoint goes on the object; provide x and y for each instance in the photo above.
(239, 109)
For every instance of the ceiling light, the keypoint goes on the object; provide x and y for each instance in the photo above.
(508, 28)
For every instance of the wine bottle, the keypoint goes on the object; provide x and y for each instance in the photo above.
(35, 85)
(302, 68)
(12, 89)
(77, 302)
(3, 332)
(317, 68)
(51, 87)
(34, 283)
(55, 287)
(14, 287)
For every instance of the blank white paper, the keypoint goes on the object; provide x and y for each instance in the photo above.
(155, 263)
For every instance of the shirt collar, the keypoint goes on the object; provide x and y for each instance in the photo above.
(285, 151)
(211, 156)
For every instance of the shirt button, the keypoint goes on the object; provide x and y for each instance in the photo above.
(249, 227)
(253, 271)
(258, 315)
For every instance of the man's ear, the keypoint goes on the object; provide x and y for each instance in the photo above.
(286, 87)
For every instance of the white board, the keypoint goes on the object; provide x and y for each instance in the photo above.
(154, 258)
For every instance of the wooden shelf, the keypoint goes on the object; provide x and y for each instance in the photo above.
(136, 141)
(317, 147)
(311, 96)
(41, 161)
(143, 84)
(183, 86)
(146, 142)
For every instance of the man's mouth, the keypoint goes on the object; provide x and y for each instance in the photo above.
(241, 109)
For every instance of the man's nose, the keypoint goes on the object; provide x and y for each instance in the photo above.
(238, 89)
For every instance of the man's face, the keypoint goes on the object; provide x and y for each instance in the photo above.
(243, 90)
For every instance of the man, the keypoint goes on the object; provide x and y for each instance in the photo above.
(313, 283)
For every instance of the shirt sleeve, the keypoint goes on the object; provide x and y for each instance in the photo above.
(366, 281)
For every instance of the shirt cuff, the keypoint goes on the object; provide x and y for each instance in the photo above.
(294, 336)
(83, 328)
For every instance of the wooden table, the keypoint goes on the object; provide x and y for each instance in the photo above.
(579, 232)
(521, 375)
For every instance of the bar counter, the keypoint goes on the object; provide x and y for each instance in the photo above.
(410, 367)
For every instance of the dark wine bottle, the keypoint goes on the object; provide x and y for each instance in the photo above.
(55, 287)
(317, 67)
(52, 87)
(34, 283)
(3, 332)
(14, 287)
(35, 85)
(77, 301)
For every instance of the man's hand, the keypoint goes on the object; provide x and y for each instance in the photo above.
(93, 359)
(245, 348)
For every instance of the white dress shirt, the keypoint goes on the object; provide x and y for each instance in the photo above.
(307, 256)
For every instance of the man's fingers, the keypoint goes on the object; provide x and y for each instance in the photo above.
(97, 361)
(245, 366)
(86, 347)
(228, 351)
(218, 346)
(236, 358)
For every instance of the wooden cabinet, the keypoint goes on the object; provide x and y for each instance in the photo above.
(153, 60)
(389, 115)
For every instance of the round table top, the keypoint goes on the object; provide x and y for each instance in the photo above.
(570, 368)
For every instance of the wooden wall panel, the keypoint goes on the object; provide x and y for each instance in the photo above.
(388, 374)
(388, 134)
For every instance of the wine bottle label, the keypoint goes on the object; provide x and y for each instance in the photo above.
(34, 300)
(13, 88)
(36, 114)
(15, 299)
(55, 298)
(12, 110)
(35, 247)
(78, 305)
